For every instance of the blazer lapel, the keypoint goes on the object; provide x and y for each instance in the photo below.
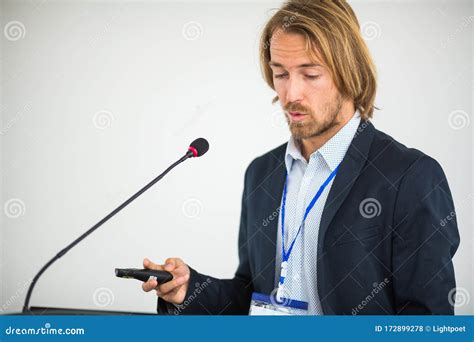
(348, 173)
(273, 185)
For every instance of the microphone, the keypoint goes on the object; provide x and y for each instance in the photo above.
(196, 149)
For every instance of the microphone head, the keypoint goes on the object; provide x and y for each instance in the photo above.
(199, 147)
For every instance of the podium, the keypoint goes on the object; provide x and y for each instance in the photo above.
(45, 311)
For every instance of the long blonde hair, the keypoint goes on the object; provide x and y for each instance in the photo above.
(332, 33)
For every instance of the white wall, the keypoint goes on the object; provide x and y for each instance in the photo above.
(99, 97)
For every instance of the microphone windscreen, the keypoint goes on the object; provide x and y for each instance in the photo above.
(199, 147)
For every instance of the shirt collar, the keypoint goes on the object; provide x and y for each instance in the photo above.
(333, 151)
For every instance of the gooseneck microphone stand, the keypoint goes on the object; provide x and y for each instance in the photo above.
(26, 309)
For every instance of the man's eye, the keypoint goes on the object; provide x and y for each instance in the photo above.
(312, 77)
(279, 76)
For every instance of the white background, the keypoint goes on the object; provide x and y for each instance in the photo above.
(99, 97)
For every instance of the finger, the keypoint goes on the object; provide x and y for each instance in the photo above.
(147, 263)
(172, 297)
(171, 285)
(181, 270)
(171, 264)
(149, 285)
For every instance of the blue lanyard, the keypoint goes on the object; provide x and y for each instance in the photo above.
(286, 255)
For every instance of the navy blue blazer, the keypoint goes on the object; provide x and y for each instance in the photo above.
(387, 236)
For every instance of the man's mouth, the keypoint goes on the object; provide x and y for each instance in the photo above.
(296, 116)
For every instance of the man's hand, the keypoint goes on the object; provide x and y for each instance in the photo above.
(173, 291)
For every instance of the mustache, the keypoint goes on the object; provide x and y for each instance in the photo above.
(296, 107)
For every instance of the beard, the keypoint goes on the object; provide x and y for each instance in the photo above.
(314, 124)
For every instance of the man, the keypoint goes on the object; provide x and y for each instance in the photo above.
(342, 217)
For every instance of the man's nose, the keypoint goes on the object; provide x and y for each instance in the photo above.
(294, 91)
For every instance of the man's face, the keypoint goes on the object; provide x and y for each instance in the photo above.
(305, 88)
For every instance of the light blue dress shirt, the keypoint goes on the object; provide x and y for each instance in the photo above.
(304, 180)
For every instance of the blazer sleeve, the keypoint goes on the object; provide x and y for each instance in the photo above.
(211, 296)
(425, 238)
